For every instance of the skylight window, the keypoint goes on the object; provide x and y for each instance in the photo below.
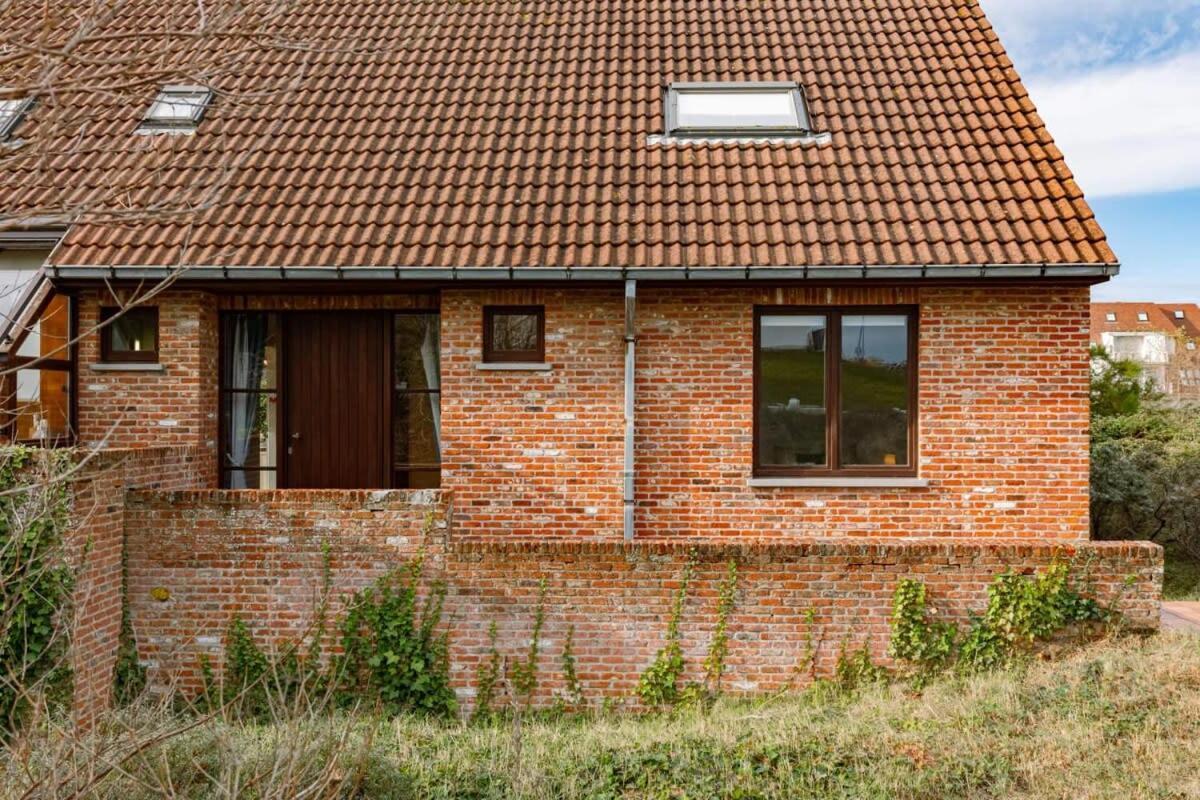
(177, 108)
(1111, 316)
(1143, 316)
(724, 109)
(11, 113)
(1179, 314)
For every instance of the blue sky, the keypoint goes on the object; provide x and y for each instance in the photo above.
(1118, 82)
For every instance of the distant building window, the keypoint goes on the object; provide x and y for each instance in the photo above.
(1191, 345)
(514, 334)
(1110, 316)
(1143, 316)
(1178, 314)
(11, 113)
(130, 335)
(177, 108)
(1128, 347)
(723, 109)
(835, 392)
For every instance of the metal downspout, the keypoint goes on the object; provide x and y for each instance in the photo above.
(630, 343)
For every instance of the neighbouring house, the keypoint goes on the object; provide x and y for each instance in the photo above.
(576, 292)
(1163, 338)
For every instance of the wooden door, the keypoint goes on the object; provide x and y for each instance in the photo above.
(337, 401)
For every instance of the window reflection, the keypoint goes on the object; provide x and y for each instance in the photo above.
(792, 390)
(874, 390)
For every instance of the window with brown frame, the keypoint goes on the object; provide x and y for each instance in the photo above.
(835, 392)
(37, 397)
(129, 336)
(514, 334)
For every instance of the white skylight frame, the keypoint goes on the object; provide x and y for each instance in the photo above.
(1143, 316)
(1179, 313)
(1110, 316)
(12, 112)
(678, 125)
(177, 107)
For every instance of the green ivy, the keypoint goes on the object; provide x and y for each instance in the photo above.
(392, 650)
(718, 649)
(926, 644)
(1021, 611)
(659, 684)
(573, 689)
(35, 594)
(855, 669)
(487, 678)
(129, 676)
(524, 671)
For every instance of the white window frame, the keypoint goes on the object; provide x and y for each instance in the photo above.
(11, 119)
(1110, 317)
(1143, 316)
(164, 95)
(804, 128)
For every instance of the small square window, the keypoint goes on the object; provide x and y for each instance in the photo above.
(513, 334)
(1110, 316)
(12, 111)
(1143, 316)
(713, 109)
(130, 335)
(177, 108)
(1191, 345)
(1179, 314)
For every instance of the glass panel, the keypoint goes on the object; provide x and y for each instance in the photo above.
(515, 333)
(42, 405)
(1127, 347)
(717, 109)
(48, 336)
(250, 479)
(414, 428)
(18, 269)
(251, 357)
(874, 389)
(177, 106)
(251, 421)
(791, 392)
(135, 331)
(417, 352)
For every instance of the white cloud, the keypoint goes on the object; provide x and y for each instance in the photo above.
(1128, 129)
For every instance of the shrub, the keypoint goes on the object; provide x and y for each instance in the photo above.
(659, 684)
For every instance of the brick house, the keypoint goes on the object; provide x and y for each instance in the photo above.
(1162, 337)
(574, 288)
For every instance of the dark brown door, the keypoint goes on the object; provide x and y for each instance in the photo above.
(338, 398)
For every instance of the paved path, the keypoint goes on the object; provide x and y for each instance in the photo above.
(1179, 616)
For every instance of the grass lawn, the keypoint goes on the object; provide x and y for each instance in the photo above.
(1114, 720)
(1181, 578)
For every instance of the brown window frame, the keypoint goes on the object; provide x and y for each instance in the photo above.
(833, 348)
(11, 363)
(110, 356)
(493, 356)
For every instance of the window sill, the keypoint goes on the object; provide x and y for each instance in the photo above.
(839, 483)
(128, 366)
(517, 366)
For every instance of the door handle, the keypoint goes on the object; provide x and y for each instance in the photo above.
(295, 437)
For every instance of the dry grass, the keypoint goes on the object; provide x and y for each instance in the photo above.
(1114, 720)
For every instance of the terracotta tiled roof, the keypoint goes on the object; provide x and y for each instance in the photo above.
(1160, 317)
(518, 134)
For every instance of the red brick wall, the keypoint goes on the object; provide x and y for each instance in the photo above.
(1003, 415)
(217, 553)
(536, 453)
(260, 553)
(95, 538)
(177, 406)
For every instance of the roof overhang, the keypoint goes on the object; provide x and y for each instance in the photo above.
(924, 272)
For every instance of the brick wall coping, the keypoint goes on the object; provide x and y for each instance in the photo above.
(865, 547)
(248, 497)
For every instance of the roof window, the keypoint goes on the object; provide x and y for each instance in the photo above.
(177, 108)
(723, 109)
(1179, 314)
(1143, 316)
(12, 111)
(1111, 316)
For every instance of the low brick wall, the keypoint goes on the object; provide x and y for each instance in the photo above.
(95, 537)
(261, 554)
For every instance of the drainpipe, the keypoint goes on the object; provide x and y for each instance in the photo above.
(630, 340)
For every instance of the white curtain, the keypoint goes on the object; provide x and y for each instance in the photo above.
(248, 343)
(429, 361)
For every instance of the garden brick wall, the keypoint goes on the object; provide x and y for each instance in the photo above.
(95, 538)
(220, 553)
